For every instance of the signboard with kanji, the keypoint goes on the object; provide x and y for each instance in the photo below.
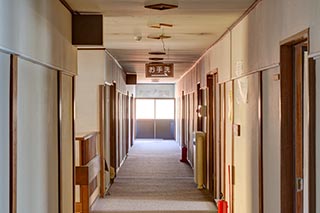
(160, 70)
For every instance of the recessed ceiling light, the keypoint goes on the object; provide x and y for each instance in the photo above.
(161, 6)
(157, 53)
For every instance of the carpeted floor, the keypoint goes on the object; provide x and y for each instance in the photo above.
(152, 179)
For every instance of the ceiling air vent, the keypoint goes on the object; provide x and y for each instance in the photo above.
(161, 6)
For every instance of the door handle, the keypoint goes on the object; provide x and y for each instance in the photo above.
(299, 184)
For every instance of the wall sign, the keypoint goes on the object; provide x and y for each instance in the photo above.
(159, 70)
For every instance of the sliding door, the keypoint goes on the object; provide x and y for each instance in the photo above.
(155, 118)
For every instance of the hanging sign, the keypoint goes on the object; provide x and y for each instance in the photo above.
(159, 70)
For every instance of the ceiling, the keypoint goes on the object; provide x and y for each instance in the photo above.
(197, 24)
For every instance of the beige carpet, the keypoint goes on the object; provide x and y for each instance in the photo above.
(152, 179)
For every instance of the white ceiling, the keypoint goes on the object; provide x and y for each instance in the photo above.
(197, 24)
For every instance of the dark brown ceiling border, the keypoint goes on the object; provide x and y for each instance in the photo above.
(67, 5)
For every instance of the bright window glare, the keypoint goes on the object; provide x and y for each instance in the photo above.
(144, 109)
(165, 109)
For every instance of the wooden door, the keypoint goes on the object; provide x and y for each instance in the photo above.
(299, 51)
(113, 129)
(213, 145)
(297, 126)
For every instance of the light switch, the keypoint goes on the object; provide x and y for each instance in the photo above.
(236, 130)
(276, 77)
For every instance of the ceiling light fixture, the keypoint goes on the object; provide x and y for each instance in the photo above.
(156, 53)
(158, 26)
(156, 59)
(161, 6)
(162, 36)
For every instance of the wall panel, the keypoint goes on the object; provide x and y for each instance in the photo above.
(67, 142)
(246, 146)
(91, 70)
(271, 141)
(229, 137)
(37, 162)
(220, 57)
(28, 25)
(246, 43)
(315, 26)
(4, 131)
(270, 28)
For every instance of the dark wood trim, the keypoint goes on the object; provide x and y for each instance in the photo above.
(312, 136)
(260, 143)
(297, 38)
(66, 5)
(102, 139)
(13, 131)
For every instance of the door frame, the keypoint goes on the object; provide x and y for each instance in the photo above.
(214, 141)
(287, 76)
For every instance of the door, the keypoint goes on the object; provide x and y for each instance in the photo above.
(297, 126)
(299, 51)
(155, 118)
(213, 145)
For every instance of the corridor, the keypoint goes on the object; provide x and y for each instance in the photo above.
(100, 97)
(152, 179)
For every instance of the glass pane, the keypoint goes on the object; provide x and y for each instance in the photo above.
(144, 108)
(165, 109)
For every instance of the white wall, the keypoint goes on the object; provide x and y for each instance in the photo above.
(37, 132)
(91, 74)
(271, 141)
(67, 143)
(38, 29)
(4, 131)
(246, 146)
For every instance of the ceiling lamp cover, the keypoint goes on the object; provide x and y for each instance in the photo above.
(161, 6)
(158, 37)
(157, 53)
(156, 59)
(159, 25)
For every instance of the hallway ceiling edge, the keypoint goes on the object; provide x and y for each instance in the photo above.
(197, 24)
